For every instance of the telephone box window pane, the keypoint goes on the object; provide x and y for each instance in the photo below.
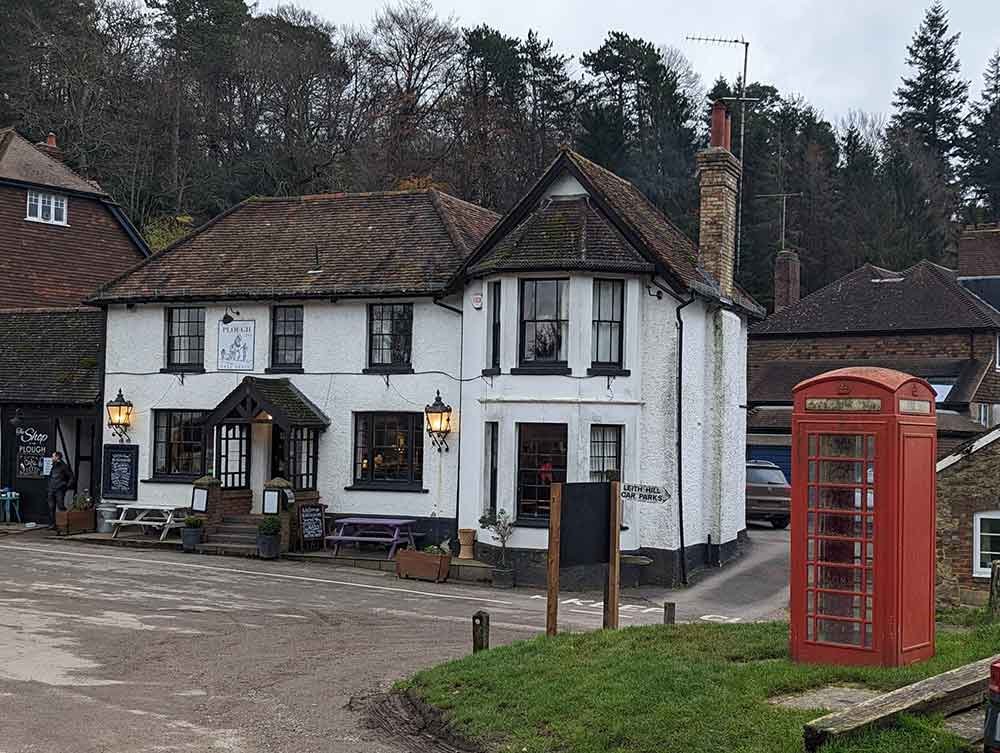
(843, 552)
(812, 471)
(810, 629)
(838, 631)
(871, 447)
(848, 526)
(839, 472)
(840, 578)
(812, 444)
(840, 499)
(868, 635)
(839, 605)
(811, 602)
(841, 446)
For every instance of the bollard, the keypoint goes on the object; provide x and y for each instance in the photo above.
(480, 631)
(669, 612)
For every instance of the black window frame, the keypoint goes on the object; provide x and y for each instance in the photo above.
(303, 447)
(492, 460)
(283, 341)
(599, 451)
(377, 340)
(167, 421)
(494, 296)
(529, 480)
(562, 294)
(227, 435)
(366, 430)
(598, 323)
(197, 336)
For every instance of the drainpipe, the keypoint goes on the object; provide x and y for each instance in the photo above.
(680, 421)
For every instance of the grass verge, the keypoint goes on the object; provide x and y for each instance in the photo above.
(694, 688)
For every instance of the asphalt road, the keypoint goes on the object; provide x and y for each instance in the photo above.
(103, 649)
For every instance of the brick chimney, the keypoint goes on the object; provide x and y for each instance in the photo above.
(786, 279)
(719, 175)
(49, 147)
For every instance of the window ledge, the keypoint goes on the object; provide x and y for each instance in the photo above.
(284, 370)
(532, 523)
(405, 488)
(46, 222)
(388, 370)
(491, 372)
(182, 370)
(171, 479)
(608, 371)
(558, 370)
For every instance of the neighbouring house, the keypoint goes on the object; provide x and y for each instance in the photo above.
(579, 337)
(921, 321)
(60, 237)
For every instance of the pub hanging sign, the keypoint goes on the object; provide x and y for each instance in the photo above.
(236, 344)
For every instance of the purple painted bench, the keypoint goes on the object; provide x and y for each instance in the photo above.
(392, 531)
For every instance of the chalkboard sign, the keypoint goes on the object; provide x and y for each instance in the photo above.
(585, 524)
(311, 524)
(121, 471)
(35, 443)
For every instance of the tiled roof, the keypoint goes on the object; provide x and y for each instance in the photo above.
(772, 383)
(871, 299)
(285, 396)
(563, 233)
(979, 251)
(20, 160)
(394, 243)
(51, 357)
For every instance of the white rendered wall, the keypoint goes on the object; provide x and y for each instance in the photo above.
(335, 352)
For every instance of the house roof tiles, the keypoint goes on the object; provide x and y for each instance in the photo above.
(22, 161)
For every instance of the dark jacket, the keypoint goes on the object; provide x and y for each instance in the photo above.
(61, 478)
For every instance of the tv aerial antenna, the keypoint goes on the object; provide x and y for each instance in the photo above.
(784, 209)
(742, 99)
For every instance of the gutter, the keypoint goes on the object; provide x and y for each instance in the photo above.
(680, 420)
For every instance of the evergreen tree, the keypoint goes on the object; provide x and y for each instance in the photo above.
(930, 102)
(982, 147)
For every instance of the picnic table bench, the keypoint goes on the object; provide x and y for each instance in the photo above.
(392, 531)
(150, 515)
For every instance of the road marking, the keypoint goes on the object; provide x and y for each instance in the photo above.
(719, 618)
(280, 576)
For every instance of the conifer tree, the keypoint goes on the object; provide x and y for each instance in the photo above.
(982, 147)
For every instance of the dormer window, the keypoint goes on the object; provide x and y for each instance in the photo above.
(46, 207)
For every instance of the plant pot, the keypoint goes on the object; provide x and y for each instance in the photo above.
(411, 563)
(467, 538)
(191, 538)
(503, 577)
(268, 546)
(75, 521)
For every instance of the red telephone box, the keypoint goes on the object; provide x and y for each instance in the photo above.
(864, 444)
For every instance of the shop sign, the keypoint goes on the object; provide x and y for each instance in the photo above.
(656, 495)
(121, 471)
(33, 455)
(236, 344)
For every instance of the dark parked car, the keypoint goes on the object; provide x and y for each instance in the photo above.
(769, 497)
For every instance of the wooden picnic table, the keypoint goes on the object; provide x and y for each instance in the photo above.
(392, 531)
(150, 515)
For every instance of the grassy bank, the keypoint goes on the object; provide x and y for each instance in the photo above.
(693, 688)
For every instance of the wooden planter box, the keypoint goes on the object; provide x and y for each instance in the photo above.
(411, 563)
(75, 521)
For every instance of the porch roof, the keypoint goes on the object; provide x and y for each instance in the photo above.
(285, 403)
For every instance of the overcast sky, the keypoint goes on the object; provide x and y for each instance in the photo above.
(841, 56)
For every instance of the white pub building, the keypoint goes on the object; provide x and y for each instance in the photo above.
(582, 334)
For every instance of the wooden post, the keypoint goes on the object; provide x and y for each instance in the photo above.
(995, 590)
(555, 529)
(480, 631)
(614, 564)
(669, 613)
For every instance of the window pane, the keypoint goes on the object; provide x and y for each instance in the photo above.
(46, 207)
(390, 329)
(544, 321)
(186, 337)
(178, 443)
(33, 210)
(605, 453)
(541, 462)
(388, 447)
(607, 324)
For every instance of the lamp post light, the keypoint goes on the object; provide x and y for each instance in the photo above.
(120, 416)
(438, 422)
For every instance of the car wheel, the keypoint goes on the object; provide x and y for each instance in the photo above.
(779, 523)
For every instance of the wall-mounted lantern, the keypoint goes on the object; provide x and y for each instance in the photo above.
(228, 318)
(120, 416)
(438, 422)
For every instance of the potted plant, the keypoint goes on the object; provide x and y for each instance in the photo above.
(192, 531)
(432, 563)
(501, 525)
(269, 537)
(79, 518)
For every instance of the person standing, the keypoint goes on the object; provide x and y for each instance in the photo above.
(60, 480)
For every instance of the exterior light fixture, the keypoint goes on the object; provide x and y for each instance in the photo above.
(228, 317)
(18, 418)
(438, 422)
(120, 416)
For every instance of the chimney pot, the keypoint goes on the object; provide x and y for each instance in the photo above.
(721, 135)
(50, 140)
(787, 276)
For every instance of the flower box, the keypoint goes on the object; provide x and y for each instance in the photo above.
(75, 521)
(411, 563)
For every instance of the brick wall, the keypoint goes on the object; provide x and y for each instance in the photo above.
(969, 486)
(719, 174)
(61, 264)
(979, 345)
